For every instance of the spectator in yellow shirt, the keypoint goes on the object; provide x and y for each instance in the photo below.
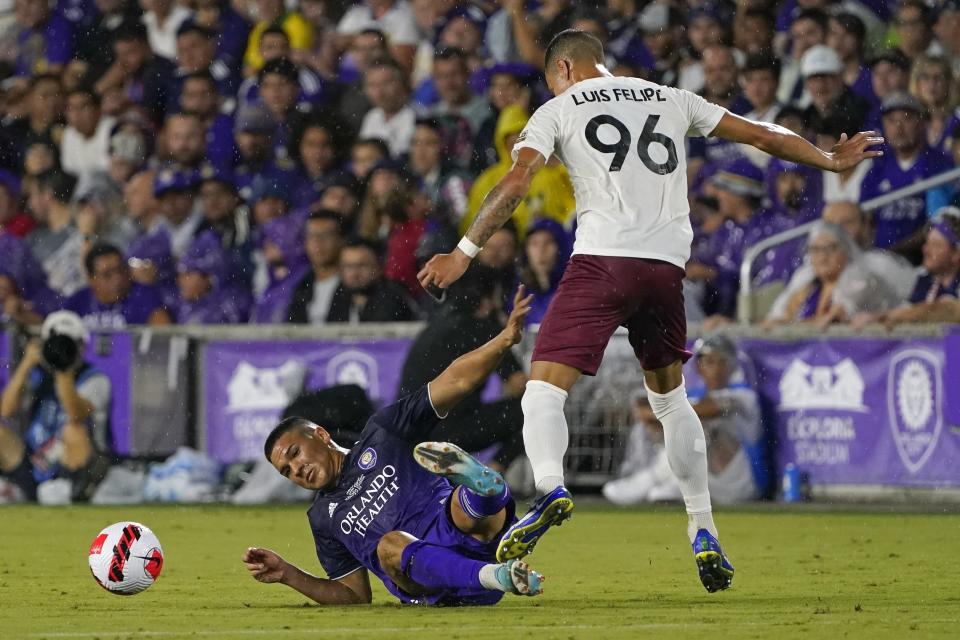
(273, 12)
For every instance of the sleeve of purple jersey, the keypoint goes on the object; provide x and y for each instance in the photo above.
(334, 557)
(410, 418)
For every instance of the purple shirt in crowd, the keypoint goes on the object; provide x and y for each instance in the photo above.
(135, 308)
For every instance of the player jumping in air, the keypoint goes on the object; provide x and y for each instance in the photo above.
(622, 140)
(424, 519)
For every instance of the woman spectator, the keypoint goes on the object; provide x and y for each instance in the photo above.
(547, 249)
(842, 286)
(931, 81)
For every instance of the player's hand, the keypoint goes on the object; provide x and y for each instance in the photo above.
(265, 565)
(444, 269)
(513, 332)
(849, 152)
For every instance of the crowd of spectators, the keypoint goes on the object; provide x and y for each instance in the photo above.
(297, 161)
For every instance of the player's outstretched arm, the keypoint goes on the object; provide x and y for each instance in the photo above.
(446, 268)
(783, 143)
(470, 370)
(267, 566)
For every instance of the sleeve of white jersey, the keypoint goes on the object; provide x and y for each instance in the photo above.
(541, 133)
(702, 116)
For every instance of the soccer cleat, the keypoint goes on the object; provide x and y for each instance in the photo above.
(518, 578)
(549, 510)
(716, 572)
(458, 466)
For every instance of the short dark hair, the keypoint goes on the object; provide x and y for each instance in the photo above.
(327, 214)
(376, 142)
(99, 250)
(274, 30)
(451, 53)
(85, 90)
(375, 32)
(389, 63)
(761, 14)
(44, 77)
(925, 14)
(815, 15)
(357, 242)
(206, 76)
(762, 62)
(854, 25)
(131, 31)
(60, 183)
(194, 27)
(285, 425)
(573, 44)
(281, 67)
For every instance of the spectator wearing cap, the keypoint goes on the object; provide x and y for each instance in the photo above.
(175, 191)
(44, 38)
(509, 83)
(550, 194)
(393, 18)
(13, 221)
(451, 78)
(128, 153)
(845, 35)
(199, 98)
(316, 146)
(754, 31)
(25, 297)
(392, 118)
(85, 146)
(313, 294)
(366, 47)
(730, 412)
(547, 249)
(907, 159)
(931, 81)
(364, 295)
(149, 255)
(270, 197)
(758, 79)
(889, 74)
(205, 296)
(66, 432)
(253, 132)
(280, 266)
(163, 20)
(197, 53)
(147, 79)
(113, 300)
(445, 185)
(822, 70)
(463, 28)
(55, 241)
(740, 192)
(913, 25)
(947, 29)
(275, 45)
(807, 30)
(225, 214)
(275, 12)
(42, 122)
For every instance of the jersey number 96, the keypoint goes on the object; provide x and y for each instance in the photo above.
(621, 147)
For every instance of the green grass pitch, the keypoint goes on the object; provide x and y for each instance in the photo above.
(611, 574)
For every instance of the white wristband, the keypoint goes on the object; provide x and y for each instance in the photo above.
(468, 247)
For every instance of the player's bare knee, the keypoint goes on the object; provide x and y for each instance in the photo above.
(390, 550)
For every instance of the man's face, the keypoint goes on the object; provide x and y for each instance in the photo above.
(130, 54)
(847, 216)
(933, 85)
(504, 90)
(842, 41)
(888, 78)
(267, 209)
(193, 285)
(339, 199)
(274, 46)
(947, 28)
(714, 369)
(500, 251)
(176, 205)
(790, 185)
(138, 194)
(110, 279)
(903, 131)
(759, 86)
(199, 96)
(939, 256)
(217, 200)
(363, 157)
(450, 78)
(826, 257)
(425, 150)
(824, 90)
(703, 32)
(359, 268)
(385, 89)
(253, 146)
(278, 93)
(183, 136)
(322, 242)
(83, 114)
(719, 71)
(912, 31)
(39, 201)
(462, 34)
(316, 150)
(805, 34)
(304, 456)
(752, 35)
(46, 100)
(365, 48)
(194, 52)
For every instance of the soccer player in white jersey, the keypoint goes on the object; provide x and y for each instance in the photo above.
(622, 140)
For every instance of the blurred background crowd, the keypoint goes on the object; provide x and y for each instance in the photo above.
(297, 161)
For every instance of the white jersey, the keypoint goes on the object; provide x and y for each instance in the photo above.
(622, 141)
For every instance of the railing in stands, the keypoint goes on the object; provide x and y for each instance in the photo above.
(745, 299)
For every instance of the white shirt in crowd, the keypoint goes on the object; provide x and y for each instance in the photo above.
(397, 24)
(323, 291)
(83, 156)
(397, 131)
(622, 140)
(163, 37)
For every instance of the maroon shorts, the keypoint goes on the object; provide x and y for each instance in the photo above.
(597, 294)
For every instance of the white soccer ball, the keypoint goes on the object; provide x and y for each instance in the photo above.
(126, 558)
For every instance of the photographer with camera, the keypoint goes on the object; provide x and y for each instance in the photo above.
(64, 412)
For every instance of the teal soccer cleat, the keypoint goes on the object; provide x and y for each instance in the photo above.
(459, 467)
(551, 509)
(716, 572)
(519, 579)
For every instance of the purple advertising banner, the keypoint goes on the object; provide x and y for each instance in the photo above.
(5, 363)
(112, 353)
(951, 348)
(248, 384)
(863, 411)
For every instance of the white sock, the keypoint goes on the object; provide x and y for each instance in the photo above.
(545, 435)
(687, 453)
(488, 578)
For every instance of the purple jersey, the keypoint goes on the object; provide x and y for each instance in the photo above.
(382, 489)
(49, 44)
(141, 301)
(228, 305)
(897, 220)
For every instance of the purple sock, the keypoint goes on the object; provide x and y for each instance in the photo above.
(478, 506)
(436, 567)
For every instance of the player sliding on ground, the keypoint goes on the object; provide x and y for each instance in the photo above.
(622, 141)
(424, 519)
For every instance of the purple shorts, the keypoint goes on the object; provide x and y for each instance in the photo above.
(597, 294)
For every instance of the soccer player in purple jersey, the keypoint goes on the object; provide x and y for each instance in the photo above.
(424, 518)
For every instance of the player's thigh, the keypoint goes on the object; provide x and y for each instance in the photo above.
(587, 308)
(657, 328)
